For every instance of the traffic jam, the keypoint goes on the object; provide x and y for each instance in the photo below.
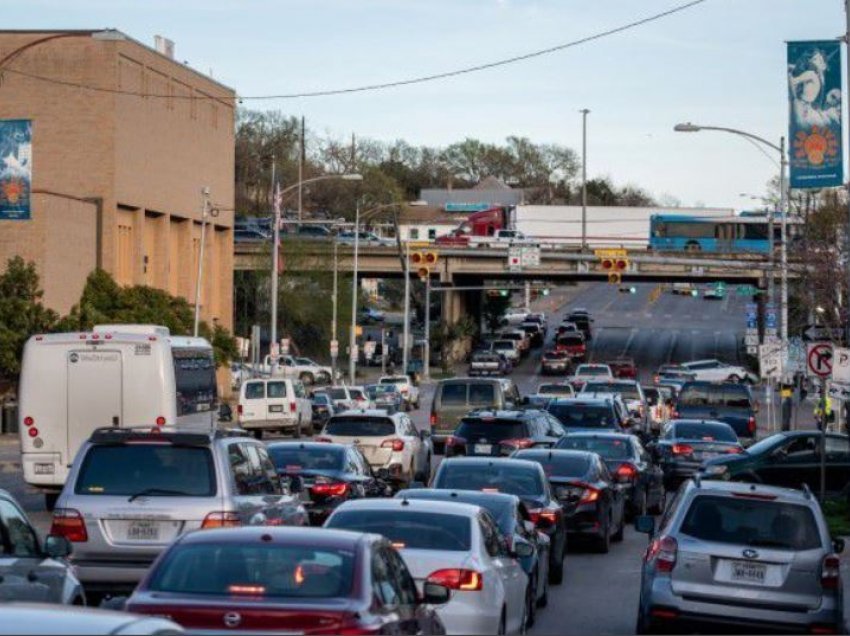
(327, 511)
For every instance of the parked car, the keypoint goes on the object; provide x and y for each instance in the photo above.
(325, 475)
(483, 363)
(277, 404)
(32, 571)
(515, 525)
(725, 402)
(385, 396)
(323, 409)
(287, 580)
(388, 441)
(556, 390)
(555, 362)
(592, 501)
(640, 477)
(583, 413)
(740, 557)
(131, 492)
(499, 433)
(37, 619)
(456, 397)
(454, 545)
(788, 459)
(684, 445)
(522, 478)
(623, 368)
(409, 390)
(572, 343)
(717, 371)
(630, 392)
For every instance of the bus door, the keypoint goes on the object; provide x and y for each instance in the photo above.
(94, 395)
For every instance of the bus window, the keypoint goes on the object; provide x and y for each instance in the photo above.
(691, 230)
(194, 375)
(660, 230)
(755, 231)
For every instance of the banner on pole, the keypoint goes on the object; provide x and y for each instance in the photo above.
(15, 169)
(814, 93)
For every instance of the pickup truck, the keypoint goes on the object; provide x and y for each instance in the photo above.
(297, 369)
(502, 239)
(487, 363)
(724, 402)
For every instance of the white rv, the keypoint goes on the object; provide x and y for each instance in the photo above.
(116, 375)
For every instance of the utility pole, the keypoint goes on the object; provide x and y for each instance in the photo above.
(205, 195)
(335, 350)
(405, 351)
(784, 209)
(276, 200)
(426, 355)
(584, 112)
(847, 125)
(301, 173)
(352, 343)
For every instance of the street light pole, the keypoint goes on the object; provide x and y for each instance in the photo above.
(584, 113)
(405, 350)
(335, 350)
(352, 342)
(426, 355)
(205, 194)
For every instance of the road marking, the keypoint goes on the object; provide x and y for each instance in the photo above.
(629, 341)
(672, 347)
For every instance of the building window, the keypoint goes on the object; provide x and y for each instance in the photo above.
(414, 234)
(432, 234)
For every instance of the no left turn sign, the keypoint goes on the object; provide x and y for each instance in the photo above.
(819, 359)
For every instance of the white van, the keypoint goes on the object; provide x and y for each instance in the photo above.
(116, 375)
(274, 404)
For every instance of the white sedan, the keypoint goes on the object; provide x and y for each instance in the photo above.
(456, 545)
(717, 371)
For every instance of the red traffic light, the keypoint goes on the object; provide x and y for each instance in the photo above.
(621, 264)
(416, 258)
(430, 258)
(607, 263)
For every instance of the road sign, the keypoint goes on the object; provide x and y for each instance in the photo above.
(610, 253)
(839, 391)
(334, 348)
(770, 332)
(819, 359)
(752, 331)
(841, 365)
(751, 340)
(770, 360)
(515, 259)
(530, 256)
(814, 332)
(770, 316)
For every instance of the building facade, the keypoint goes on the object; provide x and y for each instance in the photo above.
(124, 141)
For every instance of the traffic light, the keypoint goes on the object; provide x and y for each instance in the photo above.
(422, 262)
(498, 293)
(614, 263)
(614, 278)
(545, 292)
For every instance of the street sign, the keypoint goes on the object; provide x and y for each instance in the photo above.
(334, 348)
(819, 359)
(814, 333)
(615, 253)
(841, 365)
(770, 360)
(751, 340)
(515, 259)
(770, 332)
(752, 331)
(770, 317)
(839, 391)
(530, 256)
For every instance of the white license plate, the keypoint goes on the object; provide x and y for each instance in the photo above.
(276, 408)
(44, 469)
(482, 449)
(143, 531)
(746, 572)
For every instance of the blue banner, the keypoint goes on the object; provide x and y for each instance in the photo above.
(15, 169)
(814, 92)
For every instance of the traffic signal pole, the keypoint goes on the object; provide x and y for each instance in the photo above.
(426, 355)
(405, 350)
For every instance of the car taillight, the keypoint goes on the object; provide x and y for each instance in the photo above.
(433, 420)
(325, 440)
(589, 495)
(734, 450)
(396, 444)
(238, 409)
(451, 440)
(544, 518)
(523, 442)
(626, 470)
(292, 407)
(221, 520)
(751, 425)
(830, 572)
(330, 490)
(663, 551)
(69, 523)
(458, 579)
(682, 449)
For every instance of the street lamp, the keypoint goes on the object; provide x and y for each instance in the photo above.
(783, 204)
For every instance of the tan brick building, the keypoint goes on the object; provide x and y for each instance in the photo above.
(118, 172)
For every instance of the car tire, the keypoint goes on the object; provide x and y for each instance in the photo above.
(556, 569)
(530, 607)
(640, 506)
(644, 625)
(603, 543)
(307, 379)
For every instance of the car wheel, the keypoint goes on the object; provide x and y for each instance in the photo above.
(502, 626)
(643, 626)
(640, 505)
(306, 378)
(556, 570)
(603, 543)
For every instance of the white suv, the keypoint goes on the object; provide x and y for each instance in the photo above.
(717, 371)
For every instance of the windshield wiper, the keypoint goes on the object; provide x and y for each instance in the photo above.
(159, 491)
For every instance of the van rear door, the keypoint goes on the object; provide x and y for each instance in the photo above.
(95, 396)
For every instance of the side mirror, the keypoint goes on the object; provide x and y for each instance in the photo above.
(522, 549)
(57, 547)
(433, 594)
(645, 524)
(838, 545)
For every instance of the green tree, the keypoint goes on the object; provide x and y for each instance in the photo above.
(494, 310)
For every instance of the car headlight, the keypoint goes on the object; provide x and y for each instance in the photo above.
(715, 470)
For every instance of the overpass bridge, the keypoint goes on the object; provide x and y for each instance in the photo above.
(475, 267)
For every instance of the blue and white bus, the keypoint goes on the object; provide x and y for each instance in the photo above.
(724, 235)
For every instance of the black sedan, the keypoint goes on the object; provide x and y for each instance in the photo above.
(500, 433)
(630, 464)
(325, 475)
(593, 502)
(685, 444)
(516, 527)
(524, 479)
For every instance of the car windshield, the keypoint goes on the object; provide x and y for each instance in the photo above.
(409, 529)
(261, 570)
(704, 431)
(153, 469)
(293, 459)
(495, 431)
(578, 415)
(338, 393)
(751, 522)
(628, 391)
(556, 389)
(767, 444)
(497, 477)
(360, 426)
(305, 362)
(321, 399)
(715, 395)
(607, 448)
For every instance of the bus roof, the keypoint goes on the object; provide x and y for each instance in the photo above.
(147, 330)
(681, 218)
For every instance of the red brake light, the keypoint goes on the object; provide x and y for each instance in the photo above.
(589, 495)
(451, 440)
(292, 407)
(751, 425)
(754, 495)
(326, 440)
(664, 552)
(247, 590)
(544, 517)
(518, 443)
(627, 470)
(160, 421)
(330, 490)
(396, 444)
(734, 450)
(457, 579)
(221, 520)
(830, 572)
(69, 523)
(239, 409)
(433, 420)
(682, 449)
(33, 432)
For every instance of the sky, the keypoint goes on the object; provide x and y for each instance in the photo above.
(720, 63)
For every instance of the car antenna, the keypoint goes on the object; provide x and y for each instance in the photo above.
(697, 480)
(807, 491)
(405, 502)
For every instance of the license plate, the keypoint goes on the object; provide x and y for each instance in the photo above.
(276, 408)
(143, 531)
(482, 449)
(44, 469)
(746, 572)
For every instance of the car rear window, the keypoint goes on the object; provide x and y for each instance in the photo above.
(293, 459)
(714, 395)
(360, 426)
(482, 394)
(559, 465)
(152, 470)
(409, 529)
(751, 522)
(356, 394)
(497, 477)
(322, 399)
(491, 430)
(255, 390)
(704, 432)
(394, 380)
(338, 394)
(628, 391)
(277, 389)
(556, 389)
(606, 448)
(453, 394)
(259, 570)
(583, 415)
(593, 370)
(570, 339)
(555, 355)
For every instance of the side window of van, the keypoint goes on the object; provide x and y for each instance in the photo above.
(277, 389)
(255, 390)
(453, 394)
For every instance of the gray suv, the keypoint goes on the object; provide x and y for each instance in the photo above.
(131, 492)
(741, 556)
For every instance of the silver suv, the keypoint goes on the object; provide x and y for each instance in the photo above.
(131, 492)
(741, 556)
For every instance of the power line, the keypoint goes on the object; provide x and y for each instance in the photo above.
(386, 85)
